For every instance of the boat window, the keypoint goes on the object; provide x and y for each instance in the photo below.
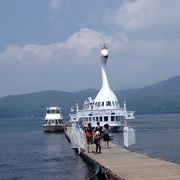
(99, 103)
(48, 111)
(89, 118)
(96, 104)
(117, 103)
(49, 122)
(57, 111)
(120, 118)
(101, 119)
(60, 121)
(108, 103)
(102, 103)
(113, 103)
(53, 111)
(91, 105)
(112, 118)
(117, 118)
(56, 121)
(86, 119)
(53, 121)
(96, 118)
(105, 118)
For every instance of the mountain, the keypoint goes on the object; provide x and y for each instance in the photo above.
(162, 97)
(35, 104)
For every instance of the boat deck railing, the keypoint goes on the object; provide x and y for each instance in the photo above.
(103, 112)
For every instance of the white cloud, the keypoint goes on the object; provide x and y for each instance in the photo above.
(147, 15)
(146, 30)
(79, 46)
(144, 47)
(85, 40)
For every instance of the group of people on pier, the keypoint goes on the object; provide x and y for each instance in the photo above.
(95, 135)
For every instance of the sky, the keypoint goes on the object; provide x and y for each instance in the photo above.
(55, 44)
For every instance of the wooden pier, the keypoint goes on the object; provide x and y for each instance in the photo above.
(120, 163)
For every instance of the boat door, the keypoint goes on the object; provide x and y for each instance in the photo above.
(53, 122)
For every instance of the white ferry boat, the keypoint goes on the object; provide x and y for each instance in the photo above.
(105, 107)
(53, 120)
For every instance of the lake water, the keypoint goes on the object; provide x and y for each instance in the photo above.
(28, 153)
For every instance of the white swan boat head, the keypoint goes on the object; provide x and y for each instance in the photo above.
(104, 108)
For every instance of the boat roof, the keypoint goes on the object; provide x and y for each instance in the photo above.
(53, 108)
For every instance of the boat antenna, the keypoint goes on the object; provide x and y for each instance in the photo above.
(104, 45)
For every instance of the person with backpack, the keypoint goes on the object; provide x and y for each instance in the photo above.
(89, 136)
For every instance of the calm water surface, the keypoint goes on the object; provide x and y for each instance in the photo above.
(28, 153)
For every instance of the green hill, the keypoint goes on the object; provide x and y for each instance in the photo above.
(35, 104)
(163, 97)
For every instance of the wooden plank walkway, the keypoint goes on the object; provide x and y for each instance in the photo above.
(129, 165)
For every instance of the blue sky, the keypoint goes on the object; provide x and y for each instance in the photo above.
(55, 44)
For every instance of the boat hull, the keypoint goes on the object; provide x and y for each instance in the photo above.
(55, 128)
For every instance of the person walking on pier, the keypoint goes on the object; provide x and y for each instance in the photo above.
(97, 141)
(89, 136)
(106, 137)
